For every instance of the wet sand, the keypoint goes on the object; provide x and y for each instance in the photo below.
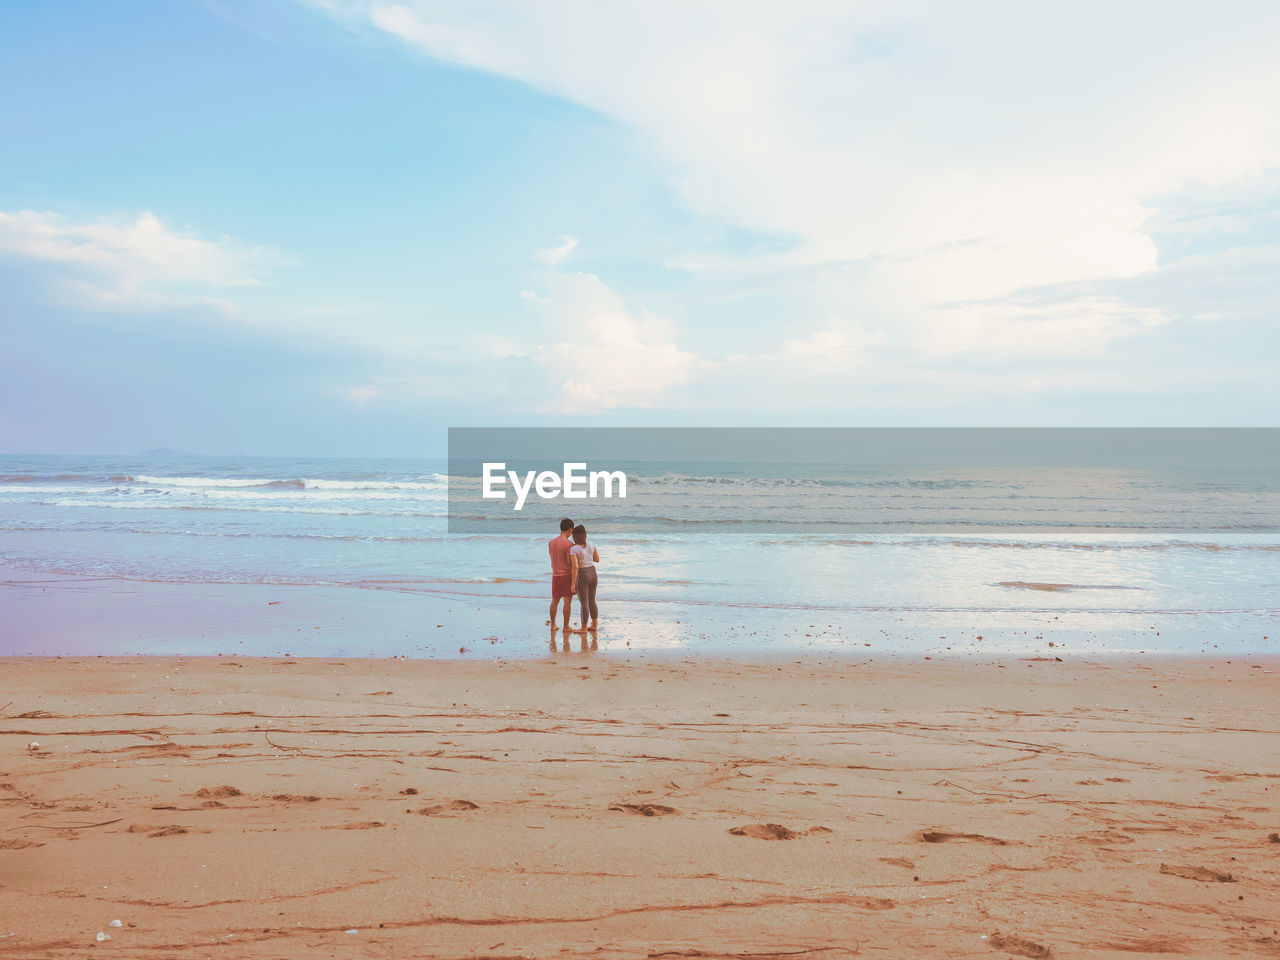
(261, 808)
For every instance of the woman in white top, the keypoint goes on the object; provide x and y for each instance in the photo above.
(583, 557)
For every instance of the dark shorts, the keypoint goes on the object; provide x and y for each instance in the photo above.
(560, 585)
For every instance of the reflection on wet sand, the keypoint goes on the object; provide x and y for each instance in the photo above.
(587, 638)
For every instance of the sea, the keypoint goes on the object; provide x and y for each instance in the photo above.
(181, 554)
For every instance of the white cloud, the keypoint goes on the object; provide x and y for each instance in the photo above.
(838, 343)
(1035, 328)
(1000, 149)
(968, 181)
(138, 264)
(605, 355)
(363, 394)
(499, 348)
(554, 255)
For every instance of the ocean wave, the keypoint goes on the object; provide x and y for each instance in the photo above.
(200, 481)
(233, 506)
(161, 497)
(271, 495)
(1059, 587)
(811, 521)
(434, 482)
(47, 477)
(47, 487)
(1095, 546)
(1252, 541)
(903, 483)
(27, 481)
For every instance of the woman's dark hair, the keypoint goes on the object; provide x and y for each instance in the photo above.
(580, 535)
(566, 524)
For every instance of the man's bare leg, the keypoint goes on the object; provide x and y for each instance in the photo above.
(555, 604)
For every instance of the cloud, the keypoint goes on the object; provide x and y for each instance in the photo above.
(140, 264)
(602, 354)
(499, 348)
(838, 343)
(970, 192)
(363, 394)
(1238, 283)
(1030, 327)
(874, 129)
(554, 255)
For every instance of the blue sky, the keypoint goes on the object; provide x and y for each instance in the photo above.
(336, 227)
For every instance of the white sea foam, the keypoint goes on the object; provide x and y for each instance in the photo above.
(241, 507)
(436, 481)
(309, 495)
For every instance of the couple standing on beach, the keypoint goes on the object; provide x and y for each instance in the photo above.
(573, 571)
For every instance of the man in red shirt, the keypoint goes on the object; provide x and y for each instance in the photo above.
(559, 548)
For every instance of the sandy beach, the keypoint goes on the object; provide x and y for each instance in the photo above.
(589, 805)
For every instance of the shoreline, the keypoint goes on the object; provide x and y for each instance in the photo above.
(712, 658)
(626, 808)
(75, 616)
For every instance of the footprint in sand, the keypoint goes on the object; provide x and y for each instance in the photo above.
(447, 807)
(1103, 837)
(774, 831)
(217, 793)
(362, 825)
(1019, 946)
(171, 830)
(946, 836)
(1196, 873)
(643, 809)
(19, 843)
(1144, 945)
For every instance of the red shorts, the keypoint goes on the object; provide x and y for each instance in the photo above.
(560, 585)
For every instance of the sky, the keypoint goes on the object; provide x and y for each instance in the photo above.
(338, 227)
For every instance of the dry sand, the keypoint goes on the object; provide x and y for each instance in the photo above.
(242, 808)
